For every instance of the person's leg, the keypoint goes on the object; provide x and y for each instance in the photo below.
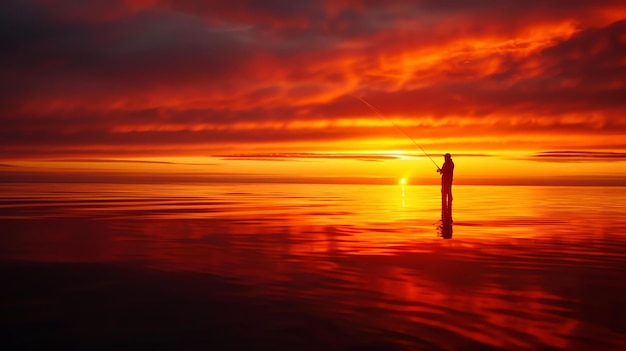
(444, 197)
(450, 200)
(446, 193)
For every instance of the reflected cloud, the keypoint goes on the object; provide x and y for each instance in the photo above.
(312, 257)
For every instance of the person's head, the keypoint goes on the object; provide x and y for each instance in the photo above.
(447, 156)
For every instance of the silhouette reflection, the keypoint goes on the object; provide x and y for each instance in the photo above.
(445, 227)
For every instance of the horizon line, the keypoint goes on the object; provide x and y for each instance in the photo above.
(155, 178)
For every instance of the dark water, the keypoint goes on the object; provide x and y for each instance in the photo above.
(312, 267)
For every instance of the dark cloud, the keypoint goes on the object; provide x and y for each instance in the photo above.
(593, 58)
(122, 57)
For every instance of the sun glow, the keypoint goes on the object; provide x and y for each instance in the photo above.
(509, 97)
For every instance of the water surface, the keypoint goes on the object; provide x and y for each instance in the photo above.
(313, 266)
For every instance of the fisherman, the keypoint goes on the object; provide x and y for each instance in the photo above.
(447, 171)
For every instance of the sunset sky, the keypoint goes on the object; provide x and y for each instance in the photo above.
(517, 91)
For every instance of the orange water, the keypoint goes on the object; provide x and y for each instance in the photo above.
(526, 267)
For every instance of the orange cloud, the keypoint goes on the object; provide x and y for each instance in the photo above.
(194, 78)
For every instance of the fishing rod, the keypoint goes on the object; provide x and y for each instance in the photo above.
(398, 127)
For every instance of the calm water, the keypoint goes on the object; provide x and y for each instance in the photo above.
(312, 266)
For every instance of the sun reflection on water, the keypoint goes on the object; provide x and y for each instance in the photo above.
(521, 271)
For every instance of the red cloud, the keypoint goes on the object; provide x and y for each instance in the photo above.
(197, 77)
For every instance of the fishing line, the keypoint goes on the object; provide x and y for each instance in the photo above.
(397, 126)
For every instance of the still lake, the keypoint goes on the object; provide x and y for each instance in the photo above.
(286, 266)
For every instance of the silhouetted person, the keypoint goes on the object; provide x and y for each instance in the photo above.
(447, 173)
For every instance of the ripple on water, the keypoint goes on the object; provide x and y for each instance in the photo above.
(532, 268)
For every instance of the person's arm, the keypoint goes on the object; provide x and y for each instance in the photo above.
(442, 170)
(445, 169)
